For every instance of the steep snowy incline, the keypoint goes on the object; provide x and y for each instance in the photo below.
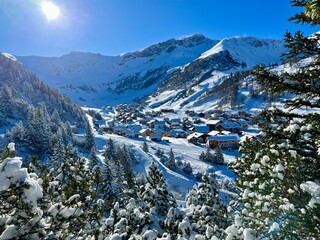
(188, 86)
(249, 50)
(96, 80)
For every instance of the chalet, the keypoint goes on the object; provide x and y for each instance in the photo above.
(218, 133)
(231, 126)
(131, 133)
(106, 128)
(144, 120)
(155, 137)
(135, 127)
(243, 124)
(196, 138)
(150, 123)
(212, 124)
(176, 133)
(200, 129)
(243, 114)
(158, 131)
(214, 133)
(159, 124)
(224, 141)
(196, 120)
(120, 130)
(145, 132)
(174, 123)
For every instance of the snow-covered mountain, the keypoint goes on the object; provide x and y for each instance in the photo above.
(187, 67)
(193, 85)
(20, 90)
(94, 80)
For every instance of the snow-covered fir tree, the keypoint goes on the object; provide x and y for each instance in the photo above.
(218, 155)
(171, 163)
(155, 193)
(279, 174)
(145, 147)
(93, 160)
(89, 141)
(206, 214)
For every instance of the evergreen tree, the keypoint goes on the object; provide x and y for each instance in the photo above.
(129, 222)
(38, 132)
(110, 151)
(159, 153)
(106, 176)
(187, 169)
(202, 156)
(171, 163)
(93, 160)
(218, 155)
(55, 121)
(58, 154)
(278, 172)
(209, 157)
(207, 213)
(155, 193)
(145, 147)
(89, 138)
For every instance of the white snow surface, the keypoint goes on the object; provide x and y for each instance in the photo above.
(10, 56)
(250, 50)
(11, 174)
(87, 77)
(184, 151)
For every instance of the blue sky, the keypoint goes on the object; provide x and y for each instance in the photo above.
(113, 27)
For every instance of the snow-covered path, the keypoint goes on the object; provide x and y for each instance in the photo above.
(184, 151)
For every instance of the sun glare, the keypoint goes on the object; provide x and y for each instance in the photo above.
(50, 10)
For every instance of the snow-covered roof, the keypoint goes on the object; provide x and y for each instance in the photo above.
(159, 123)
(230, 125)
(201, 128)
(195, 135)
(143, 130)
(157, 130)
(224, 138)
(100, 122)
(213, 133)
(213, 122)
(155, 135)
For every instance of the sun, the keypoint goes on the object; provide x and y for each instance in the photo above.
(50, 10)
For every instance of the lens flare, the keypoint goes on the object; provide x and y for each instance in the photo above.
(50, 10)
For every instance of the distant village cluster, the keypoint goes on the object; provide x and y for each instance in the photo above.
(213, 128)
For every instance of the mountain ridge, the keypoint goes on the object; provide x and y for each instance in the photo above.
(93, 79)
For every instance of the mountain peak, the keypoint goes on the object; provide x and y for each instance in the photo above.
(10, 56)
(251, 50)
(172, 44)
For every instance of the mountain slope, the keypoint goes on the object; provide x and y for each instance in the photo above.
(190, 86)
(96, 80)
(20, 89)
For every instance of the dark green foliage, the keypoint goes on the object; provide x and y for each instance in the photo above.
(159, 153)
(145, 147)
(218, 155)
(276, 172)
(93, 160)
(155, 194)
(171, 163)
(207, 213)
(89, 141)
(207, 156)
(186, 168)
(21, 89)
